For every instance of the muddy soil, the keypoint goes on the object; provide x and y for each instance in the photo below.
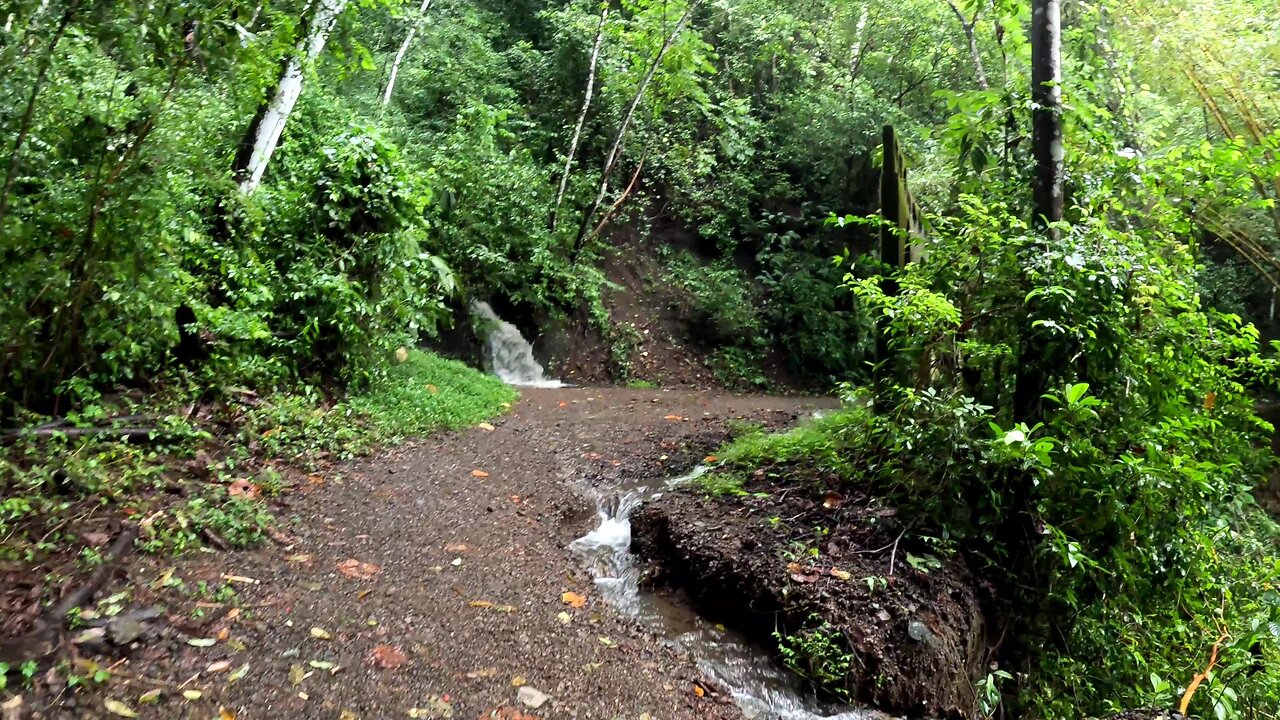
(429, 581)
(788, 557)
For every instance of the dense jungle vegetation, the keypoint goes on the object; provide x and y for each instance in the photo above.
(221, 219)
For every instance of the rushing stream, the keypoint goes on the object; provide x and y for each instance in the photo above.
(762, 688)
(510, 355)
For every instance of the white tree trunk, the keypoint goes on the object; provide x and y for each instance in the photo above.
(404, 49)
(582, 116)
(615, 152)
(267, 133)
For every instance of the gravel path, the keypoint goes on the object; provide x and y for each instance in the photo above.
(469, 534)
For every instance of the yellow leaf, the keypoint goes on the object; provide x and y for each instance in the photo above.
(481, 604)
(296, 675)
(564, 618)
(320, 634)
(697, 690)
(573, 599)
(149, 697)
(192, 694)
(486, 427)
(840, 574)
(225, 714)
(517, 681)
(115, 707)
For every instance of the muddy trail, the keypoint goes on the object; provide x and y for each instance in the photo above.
(442, 579)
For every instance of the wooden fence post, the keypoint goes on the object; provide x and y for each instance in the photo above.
(898, 245)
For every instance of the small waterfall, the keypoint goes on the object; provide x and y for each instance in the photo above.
(762, 688)
(510, 355)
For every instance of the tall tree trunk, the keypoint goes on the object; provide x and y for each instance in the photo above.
(969, 32)
(615, 151)
(582, 116)
(404, 48)
(1046, 118)
(269, 124)
(1038, 354)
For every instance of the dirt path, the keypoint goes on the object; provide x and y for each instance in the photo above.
(470, 574)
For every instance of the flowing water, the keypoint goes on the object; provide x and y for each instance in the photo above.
(510, 356)
(761, 687)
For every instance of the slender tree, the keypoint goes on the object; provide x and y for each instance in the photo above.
(969, 26)
(264, 133)
(404, 49)
(615, 150)
(1046, 118)
(582, 116)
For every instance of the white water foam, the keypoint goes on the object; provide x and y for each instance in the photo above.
(510, 355)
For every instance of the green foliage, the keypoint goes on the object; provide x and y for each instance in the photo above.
(427, 393)
(820, 654)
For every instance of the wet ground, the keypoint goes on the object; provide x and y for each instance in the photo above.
(439, 580)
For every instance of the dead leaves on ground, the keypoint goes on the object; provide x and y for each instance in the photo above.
(387, 657)
(573, 599)
(356, 570)
(809, 574)
(507, 713)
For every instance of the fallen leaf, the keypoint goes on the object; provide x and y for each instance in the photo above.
(115, 707)
(840, 574)
(456, 562)
(320, 634)
(240, 579)
(607, 642)
(322, 665)
(564, 404)
(432, 389)
(697, 690)
(387, 657)
(481, 604)
(363, 594)
(315, 479)
(832, 500)
(517, 681)
(348, 715)
(402, 354)
(223, 634)
(300, 558)
(162, 580)
(564, 618)
(239, 673)
(710, 459)
(201, 642)
(243, 488)
(233, 614)
(486, 427)
(192, 694)
(225, 714)
(483, 673)
(479, 474)
(573, 599)
(356, 570)
(149, 697)
(456, 548)
(673, 418)
(218, 667)
(296, 674)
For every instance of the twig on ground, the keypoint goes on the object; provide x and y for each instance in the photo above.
(893, 556)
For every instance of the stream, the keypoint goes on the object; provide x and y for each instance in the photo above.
(762, 687)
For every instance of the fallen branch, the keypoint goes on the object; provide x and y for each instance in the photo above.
(625, 194)
(40, 641)
(129, 434)
(1200, 677)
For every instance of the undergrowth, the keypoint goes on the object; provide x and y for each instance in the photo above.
(196, 480)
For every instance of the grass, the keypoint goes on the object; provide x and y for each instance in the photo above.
(822, 443)
(427, 393)
(641, 385)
